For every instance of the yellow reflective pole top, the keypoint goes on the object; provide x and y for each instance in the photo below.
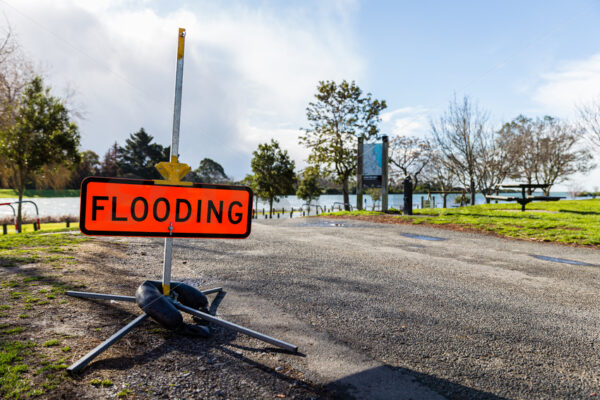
(180, 43)
(173, 172)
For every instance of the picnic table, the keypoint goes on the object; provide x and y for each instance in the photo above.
(525, 197)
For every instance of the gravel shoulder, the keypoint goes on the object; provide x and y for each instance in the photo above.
(149, 362)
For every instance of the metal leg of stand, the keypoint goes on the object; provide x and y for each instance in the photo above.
(213, 290)
(82, 362)
(239, 328)
(100, 296)
(103, 296)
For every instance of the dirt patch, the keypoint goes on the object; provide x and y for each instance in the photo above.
(149, 362)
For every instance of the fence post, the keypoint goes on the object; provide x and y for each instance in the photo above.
(4, 230)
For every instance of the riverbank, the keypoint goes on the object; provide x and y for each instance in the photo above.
(37, 193)
(574, 222)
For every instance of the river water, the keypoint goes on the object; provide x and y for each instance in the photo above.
(69, 206)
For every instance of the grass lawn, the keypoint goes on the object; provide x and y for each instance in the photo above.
(31, 365)
(32, 193)
(46, 227)
(565, 221)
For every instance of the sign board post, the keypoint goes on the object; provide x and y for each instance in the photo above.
(373, 168)
(168, 208)
(384, 173)
(359, 174)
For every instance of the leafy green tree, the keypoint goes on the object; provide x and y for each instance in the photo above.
(139, 156)
(249, 181)
(89, 165)
(375, 194)
(42, 134)
(309, 188)
(338, 117)
(274, 174)
(210, 171)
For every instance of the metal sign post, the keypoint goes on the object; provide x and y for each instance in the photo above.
(168, 256)
(166, 208)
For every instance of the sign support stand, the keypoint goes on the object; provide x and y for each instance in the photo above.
(173, 172)
(168, 256)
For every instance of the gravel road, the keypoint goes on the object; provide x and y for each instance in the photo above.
(380, 313)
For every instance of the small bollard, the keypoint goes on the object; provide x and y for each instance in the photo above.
(408, 194)
(34, 227)
(68, 223)
(278, 214)
(4, 229)
(265, 216)
(303, 213)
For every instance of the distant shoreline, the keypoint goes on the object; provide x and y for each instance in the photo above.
(35, 193)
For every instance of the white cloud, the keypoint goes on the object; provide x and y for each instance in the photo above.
(560, 93)
(574, 83)
(406, 121)
(249, 73)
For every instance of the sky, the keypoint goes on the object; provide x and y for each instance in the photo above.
(252, 67)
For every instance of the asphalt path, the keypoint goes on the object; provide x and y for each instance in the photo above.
(402, 311)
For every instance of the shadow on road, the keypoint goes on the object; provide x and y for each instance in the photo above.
(386, 382)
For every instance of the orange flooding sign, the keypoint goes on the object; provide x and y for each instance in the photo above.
(131, 207)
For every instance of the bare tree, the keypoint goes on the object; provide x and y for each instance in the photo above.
(559, 152)
(440, 175)
(409, 156)
(494, 160)
(456, 135)
(590, 121)
(519, 138)
(15, 73)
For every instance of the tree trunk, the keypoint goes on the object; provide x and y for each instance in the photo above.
(547, 191)
(444, 196)
(346, 195)
(270, 207)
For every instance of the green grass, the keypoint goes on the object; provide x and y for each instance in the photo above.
(565, 221)
(33, 247)
(32, 291)
(12, 384)
(45, 227)
(51, 343)
(33, 193)
(124, 393)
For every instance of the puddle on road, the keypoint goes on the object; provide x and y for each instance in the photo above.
(330, 224)
(423, 237)
(562, 260)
